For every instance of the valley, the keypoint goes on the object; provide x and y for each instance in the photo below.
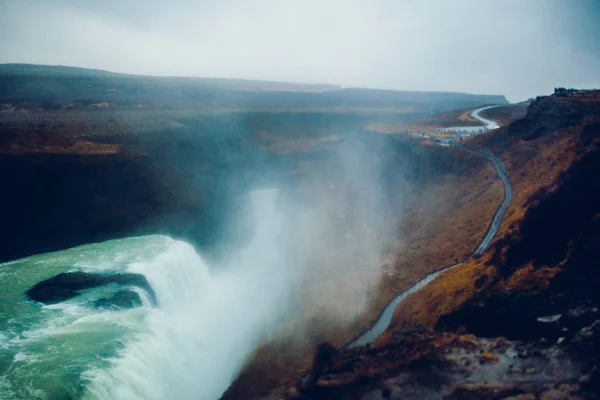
(291, 220)
(529, 303)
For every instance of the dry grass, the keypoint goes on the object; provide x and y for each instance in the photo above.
(530, 166)
(466, 116)
(428, 124)
(30, 142)
(504, 115)
(442, 135)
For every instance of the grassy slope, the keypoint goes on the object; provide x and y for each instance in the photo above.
(30, 87)
(33, 70)
(537, 152)
(427, 124)
(506, 114)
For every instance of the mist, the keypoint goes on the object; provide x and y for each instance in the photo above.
(520, 49)
(300, 277)
(325, 236)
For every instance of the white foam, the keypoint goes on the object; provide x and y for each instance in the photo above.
(205, 325)
(25, 357)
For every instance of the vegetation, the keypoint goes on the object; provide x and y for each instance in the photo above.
(48, 87)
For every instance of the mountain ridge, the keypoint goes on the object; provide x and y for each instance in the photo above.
(28, 85)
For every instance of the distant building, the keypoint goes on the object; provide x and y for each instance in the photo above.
(563, 92)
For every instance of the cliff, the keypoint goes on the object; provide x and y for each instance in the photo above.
(520, 321)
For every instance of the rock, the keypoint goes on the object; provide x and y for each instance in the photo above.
(543, 342)
(527, 396)
(583, 379)
(67, 285)
(487, 357)
(554, 394)
(123, 299)
(588, 331)
(549, 318)
(292, 393)
(561, 392)
(481, 391)
(524, 354)
(581, 311)
(560, 340)
(568, 387)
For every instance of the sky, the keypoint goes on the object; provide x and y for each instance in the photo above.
(513, 47)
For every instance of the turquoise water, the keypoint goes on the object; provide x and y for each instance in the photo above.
(191, 344)
(45, 350)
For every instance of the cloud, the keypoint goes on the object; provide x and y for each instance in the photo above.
(512, 47)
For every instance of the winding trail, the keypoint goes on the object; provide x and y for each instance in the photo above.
(487, 123)
(385, 317)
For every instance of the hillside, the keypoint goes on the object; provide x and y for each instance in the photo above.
(25, 86)
(519, 321)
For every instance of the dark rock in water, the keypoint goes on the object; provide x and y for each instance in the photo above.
(65, 286)
(121, 299)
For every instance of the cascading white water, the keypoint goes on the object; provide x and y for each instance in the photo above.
(191, 345)
(309, 270)
(205, 325)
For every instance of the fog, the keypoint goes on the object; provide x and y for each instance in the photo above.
(301, 278)
(512, 47)
(311, 268)
(325, 238)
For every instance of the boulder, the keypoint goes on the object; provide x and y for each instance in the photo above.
(67, 285)
(123, 299)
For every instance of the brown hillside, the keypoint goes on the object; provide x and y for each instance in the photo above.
(540, 153)
(531, 299)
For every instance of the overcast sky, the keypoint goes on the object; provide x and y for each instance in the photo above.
(520, 48)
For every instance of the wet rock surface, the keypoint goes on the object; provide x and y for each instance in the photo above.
(121, 300)
(65, 286)
(430, 365)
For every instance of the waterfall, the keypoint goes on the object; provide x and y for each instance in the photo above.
(190, 345)
(205, 326)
